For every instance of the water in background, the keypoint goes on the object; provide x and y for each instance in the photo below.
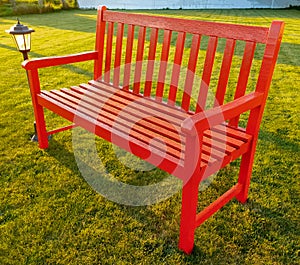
(187, 4)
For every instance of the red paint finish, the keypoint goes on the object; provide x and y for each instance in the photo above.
(163, 65)
(151, 62)
(128, 57)
(190, 142)
(176, 68)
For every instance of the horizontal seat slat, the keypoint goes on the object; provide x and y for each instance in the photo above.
(218, 145)
(149, 103)
(211, 151)
(93, 98)
(223, 138)
(145, 124)
(237, 133)
(104, 131)
(144, 134)
(134, 117)
(111, 107)
(216, 153)
(138, 132)
(127, 106)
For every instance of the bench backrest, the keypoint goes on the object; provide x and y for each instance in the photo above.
(184, 62)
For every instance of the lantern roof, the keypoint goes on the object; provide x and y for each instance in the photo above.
(19, 28)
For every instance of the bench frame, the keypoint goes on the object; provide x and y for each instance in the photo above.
(195, 125)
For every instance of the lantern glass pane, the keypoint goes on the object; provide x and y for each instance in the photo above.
(23, 42)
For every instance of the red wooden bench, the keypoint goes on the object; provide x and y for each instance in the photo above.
(127, 105)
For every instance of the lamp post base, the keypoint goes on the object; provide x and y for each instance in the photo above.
(34, 137)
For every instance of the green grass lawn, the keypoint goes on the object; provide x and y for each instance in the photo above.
(50, 215)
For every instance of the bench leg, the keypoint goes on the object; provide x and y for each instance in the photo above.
(188, 215)
(245, 174)
(34, 84)
(41, 127)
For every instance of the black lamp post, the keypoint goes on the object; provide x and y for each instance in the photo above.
(22, 37)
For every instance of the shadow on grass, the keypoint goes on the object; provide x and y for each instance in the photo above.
(70, 67)
(62, 155)
(3, 46)
(72, 20)
(281, 142)
(156, 220)
(156, 223)
(270, 224)
(284, 225)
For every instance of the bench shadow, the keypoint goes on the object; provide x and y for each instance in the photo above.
(152, 223)
(147, 216)
(281, 142)
(62, 155)
(266, 222)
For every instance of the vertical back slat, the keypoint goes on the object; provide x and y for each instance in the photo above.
(207, 71)
(139, 60)
(266, 72)
(244, 75)
(163, 65)
(190, 75)
(128, 57)
(225, 71)
(270, 56)
(245, 69)
(118, 54)
(99, 46)
(110, 34)
(151, 61)
(176, 67)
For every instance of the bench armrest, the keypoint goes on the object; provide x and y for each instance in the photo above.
(59, 60)
(204, 120)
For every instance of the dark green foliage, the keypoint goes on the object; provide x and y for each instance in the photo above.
(21, 7)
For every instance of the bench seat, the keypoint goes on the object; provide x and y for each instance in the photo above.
(153, 133)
